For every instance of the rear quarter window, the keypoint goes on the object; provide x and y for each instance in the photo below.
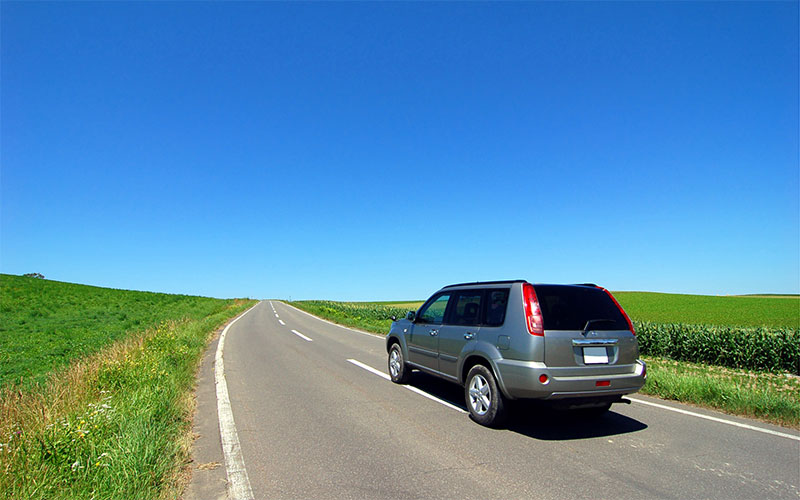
(571, 307)
(496, 304)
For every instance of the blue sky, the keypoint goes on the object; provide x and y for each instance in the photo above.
(379, 151)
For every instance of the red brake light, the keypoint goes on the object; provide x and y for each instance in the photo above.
(603, 383)
(533, 314)
(624, 314)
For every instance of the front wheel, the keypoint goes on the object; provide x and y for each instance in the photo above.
(485, 402)
(398, 370)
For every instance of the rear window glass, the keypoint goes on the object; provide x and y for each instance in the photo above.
(570, 307)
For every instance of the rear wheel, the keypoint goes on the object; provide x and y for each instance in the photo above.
(485, 402)
(398, 370)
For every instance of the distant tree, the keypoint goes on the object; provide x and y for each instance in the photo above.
(38, 276)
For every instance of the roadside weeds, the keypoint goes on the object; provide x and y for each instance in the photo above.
(116, 424)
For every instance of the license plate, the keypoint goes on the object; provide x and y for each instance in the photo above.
(595, 355)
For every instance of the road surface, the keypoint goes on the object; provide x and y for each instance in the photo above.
(317, 418)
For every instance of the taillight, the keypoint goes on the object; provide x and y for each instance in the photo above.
(624, 314)
(533, 314)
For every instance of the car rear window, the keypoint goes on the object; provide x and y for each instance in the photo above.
(571, 307)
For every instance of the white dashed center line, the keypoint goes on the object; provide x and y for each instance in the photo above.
(409, 387)
(302, 336)
(281, 322)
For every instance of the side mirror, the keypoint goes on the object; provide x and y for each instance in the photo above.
(411, 316)
(393, 317)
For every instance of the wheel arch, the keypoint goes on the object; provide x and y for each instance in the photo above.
(479, 359)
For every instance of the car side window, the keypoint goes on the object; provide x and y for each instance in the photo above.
(496, 303)
(467, 310)
(433, 312)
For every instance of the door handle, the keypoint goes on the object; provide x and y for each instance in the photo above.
(469, 335)
(434, 333)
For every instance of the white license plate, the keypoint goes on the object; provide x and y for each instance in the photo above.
(595, 355)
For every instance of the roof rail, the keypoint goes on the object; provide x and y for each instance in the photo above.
(587, 284)
(507, 282)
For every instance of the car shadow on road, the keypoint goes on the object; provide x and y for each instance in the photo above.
(537, 420)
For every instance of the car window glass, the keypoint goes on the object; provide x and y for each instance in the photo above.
(467, 309)
(570, 307)
(434, 312)
(496, 302)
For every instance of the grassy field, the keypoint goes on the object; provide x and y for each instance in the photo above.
(46, 324)
(105, 410)
(771, 397)
(774, 312)
(721, 329)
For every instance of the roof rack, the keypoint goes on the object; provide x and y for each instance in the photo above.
(507, 282)
(587, 284)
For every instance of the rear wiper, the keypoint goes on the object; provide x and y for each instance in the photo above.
(586, 328)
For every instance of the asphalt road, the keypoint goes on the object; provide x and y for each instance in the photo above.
(313, 424)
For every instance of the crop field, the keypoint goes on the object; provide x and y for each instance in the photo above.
(773, 311)
(649, 307)
(46, 324)
(748, 311)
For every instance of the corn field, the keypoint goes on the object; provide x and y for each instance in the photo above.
(769, 349)
(765, 349)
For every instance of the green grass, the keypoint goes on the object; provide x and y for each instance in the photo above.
(771, 397)
(774, 312)
(369, 316)
(115, 423)
(46, 324)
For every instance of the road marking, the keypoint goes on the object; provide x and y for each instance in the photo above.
(281, 322)
(302, 336)
(373, 335)
(678, 410)
(409, 387)
(238, 482)
(716, 419)
(276, 315)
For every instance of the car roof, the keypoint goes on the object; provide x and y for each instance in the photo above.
(511, 282)
(481, 283)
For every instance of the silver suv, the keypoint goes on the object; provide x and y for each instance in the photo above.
(572, 345)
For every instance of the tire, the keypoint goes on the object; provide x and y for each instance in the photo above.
(485, 403)
(398, 369)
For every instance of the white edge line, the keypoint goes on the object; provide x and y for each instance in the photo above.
(409, 387)
(368, 334)
(664, 407)
(281, 322)
(238, 481)
(715, 419)
(302, 336)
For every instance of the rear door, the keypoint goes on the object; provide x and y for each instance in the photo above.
(423, 343)
(461, 326)
(583, 327)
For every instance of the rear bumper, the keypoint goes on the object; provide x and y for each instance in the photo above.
(520, 380)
